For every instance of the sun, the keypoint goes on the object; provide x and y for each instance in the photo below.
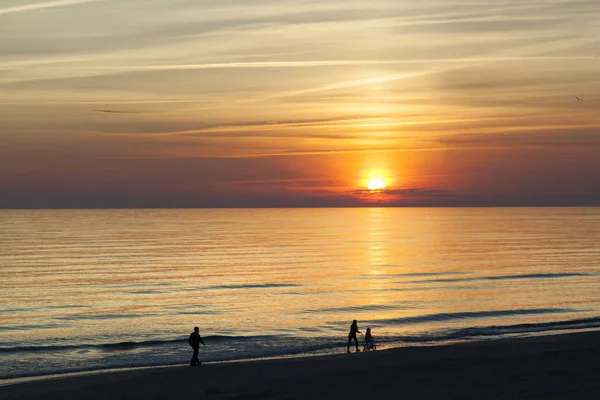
(376, 181)
(376, 184)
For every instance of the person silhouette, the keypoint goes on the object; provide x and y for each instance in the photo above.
(195, 341)
(352, 336)
(369, 341)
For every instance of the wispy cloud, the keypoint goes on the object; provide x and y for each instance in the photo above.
(116, 111)
(366, 62)
(549, 137)
(413, 192)
(41, 6)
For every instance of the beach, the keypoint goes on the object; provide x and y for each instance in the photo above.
(89, 290)
(564, 366)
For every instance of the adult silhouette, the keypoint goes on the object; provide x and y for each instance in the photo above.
(352, 336)
(195, 341)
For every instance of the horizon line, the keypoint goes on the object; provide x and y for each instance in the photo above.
(291, 207)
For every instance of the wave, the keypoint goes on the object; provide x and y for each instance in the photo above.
(295, 345)
(353, 309)
(503, 330)
(29, 309)
(413, 274)
(31, 327)
(114, 346)
(440, 317)
(506, 277)
(102, 316)
(255, 286)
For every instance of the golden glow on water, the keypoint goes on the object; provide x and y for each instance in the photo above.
(309, 271)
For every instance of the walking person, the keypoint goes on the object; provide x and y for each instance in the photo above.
(195, 341)
(352, 336)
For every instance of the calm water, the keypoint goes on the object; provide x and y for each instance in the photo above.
(91, 289)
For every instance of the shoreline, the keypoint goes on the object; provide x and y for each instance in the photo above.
(383, 347)
(563, 365)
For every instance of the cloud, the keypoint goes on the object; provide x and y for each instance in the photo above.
(558, 137)
(415, 192)
(337, 63)
(41, 6)
(116, 111)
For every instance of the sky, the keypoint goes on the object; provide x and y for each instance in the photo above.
(293, 103)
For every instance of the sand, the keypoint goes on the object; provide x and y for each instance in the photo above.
(565, 366)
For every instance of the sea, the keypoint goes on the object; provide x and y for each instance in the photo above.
(87, 290)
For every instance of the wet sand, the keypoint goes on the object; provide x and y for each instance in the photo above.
(565, 366)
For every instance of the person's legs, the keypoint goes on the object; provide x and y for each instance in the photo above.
(349, 340)
(195, 360)
(355, 343)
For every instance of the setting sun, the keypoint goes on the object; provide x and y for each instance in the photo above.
(376, 184)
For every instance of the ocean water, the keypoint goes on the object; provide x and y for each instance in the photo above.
(95, 289)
